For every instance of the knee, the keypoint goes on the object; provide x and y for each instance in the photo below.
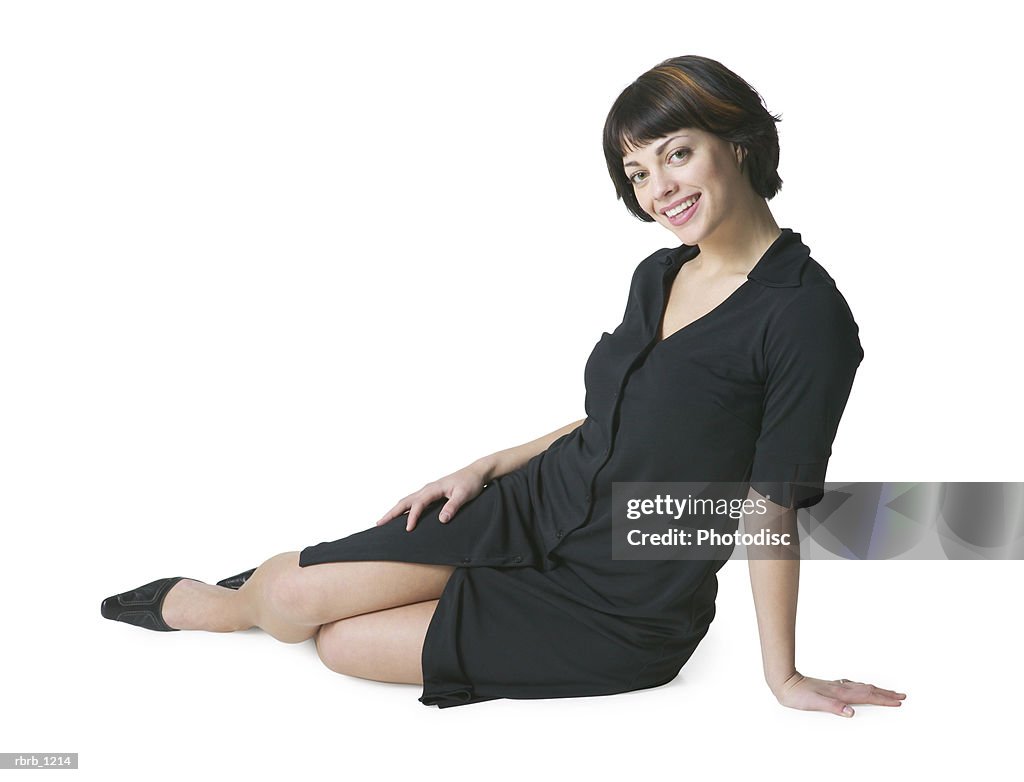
(334, 645)
(286, 590)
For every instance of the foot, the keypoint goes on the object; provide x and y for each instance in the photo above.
(143, 606)
(235, 582)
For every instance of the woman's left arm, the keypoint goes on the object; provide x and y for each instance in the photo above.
(774, 581)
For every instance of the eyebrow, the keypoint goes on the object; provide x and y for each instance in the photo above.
(659, 150)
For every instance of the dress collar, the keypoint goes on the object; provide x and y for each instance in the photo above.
(781, 266)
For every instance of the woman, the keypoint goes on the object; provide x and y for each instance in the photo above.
(733, 362)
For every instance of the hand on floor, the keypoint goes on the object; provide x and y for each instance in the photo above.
(835, 696)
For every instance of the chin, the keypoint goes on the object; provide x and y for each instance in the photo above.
(687, 234)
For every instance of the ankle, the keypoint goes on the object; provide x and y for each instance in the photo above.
(195, 605)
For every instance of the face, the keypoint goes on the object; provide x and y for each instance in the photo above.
(669, 172)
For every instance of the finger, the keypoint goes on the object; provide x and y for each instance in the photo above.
(869, 693)
(397, 508)
(890, 693)
(823, 702)
(880, 697)
(451, 507)
(883, 692)
(842, 708)
(414, 516)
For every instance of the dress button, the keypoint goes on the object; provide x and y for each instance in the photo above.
(558, 534)
(466, 560)
(587, 499)
(517, 559)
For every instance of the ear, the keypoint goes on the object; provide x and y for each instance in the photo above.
(741, 155)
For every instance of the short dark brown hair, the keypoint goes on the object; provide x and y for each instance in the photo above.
(692, 92)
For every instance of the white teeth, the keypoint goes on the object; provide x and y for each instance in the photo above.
(682, 207)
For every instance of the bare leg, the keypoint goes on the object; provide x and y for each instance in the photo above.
(386, 646)
(291, 602)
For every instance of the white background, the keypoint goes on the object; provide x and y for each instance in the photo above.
(268, 267)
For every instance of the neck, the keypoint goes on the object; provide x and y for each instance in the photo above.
(738, 244)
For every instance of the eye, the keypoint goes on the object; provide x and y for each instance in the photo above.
(634, 179)
(681, 152)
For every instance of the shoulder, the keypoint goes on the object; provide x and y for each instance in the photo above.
(648, 274)
(815, 329)
(654, 264)
(815, 302)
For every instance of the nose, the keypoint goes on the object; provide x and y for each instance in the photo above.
(662, 185)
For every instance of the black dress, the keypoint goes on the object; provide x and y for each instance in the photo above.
(537, 607)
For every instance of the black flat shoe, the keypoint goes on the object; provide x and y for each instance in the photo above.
(141, 607)
(236, 581)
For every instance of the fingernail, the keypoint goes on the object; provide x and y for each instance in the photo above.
(847, 711)
(444, 517)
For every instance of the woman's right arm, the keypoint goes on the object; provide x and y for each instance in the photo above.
(465, 484)
(504, 462)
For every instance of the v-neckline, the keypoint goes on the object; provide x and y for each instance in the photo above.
(666, 293)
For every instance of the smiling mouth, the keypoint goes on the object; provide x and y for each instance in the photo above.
(682, 207)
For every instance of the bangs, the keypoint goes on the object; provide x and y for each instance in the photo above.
(648, 110)
(642, 118)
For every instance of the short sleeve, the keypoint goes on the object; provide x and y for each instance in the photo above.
(811, 351)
